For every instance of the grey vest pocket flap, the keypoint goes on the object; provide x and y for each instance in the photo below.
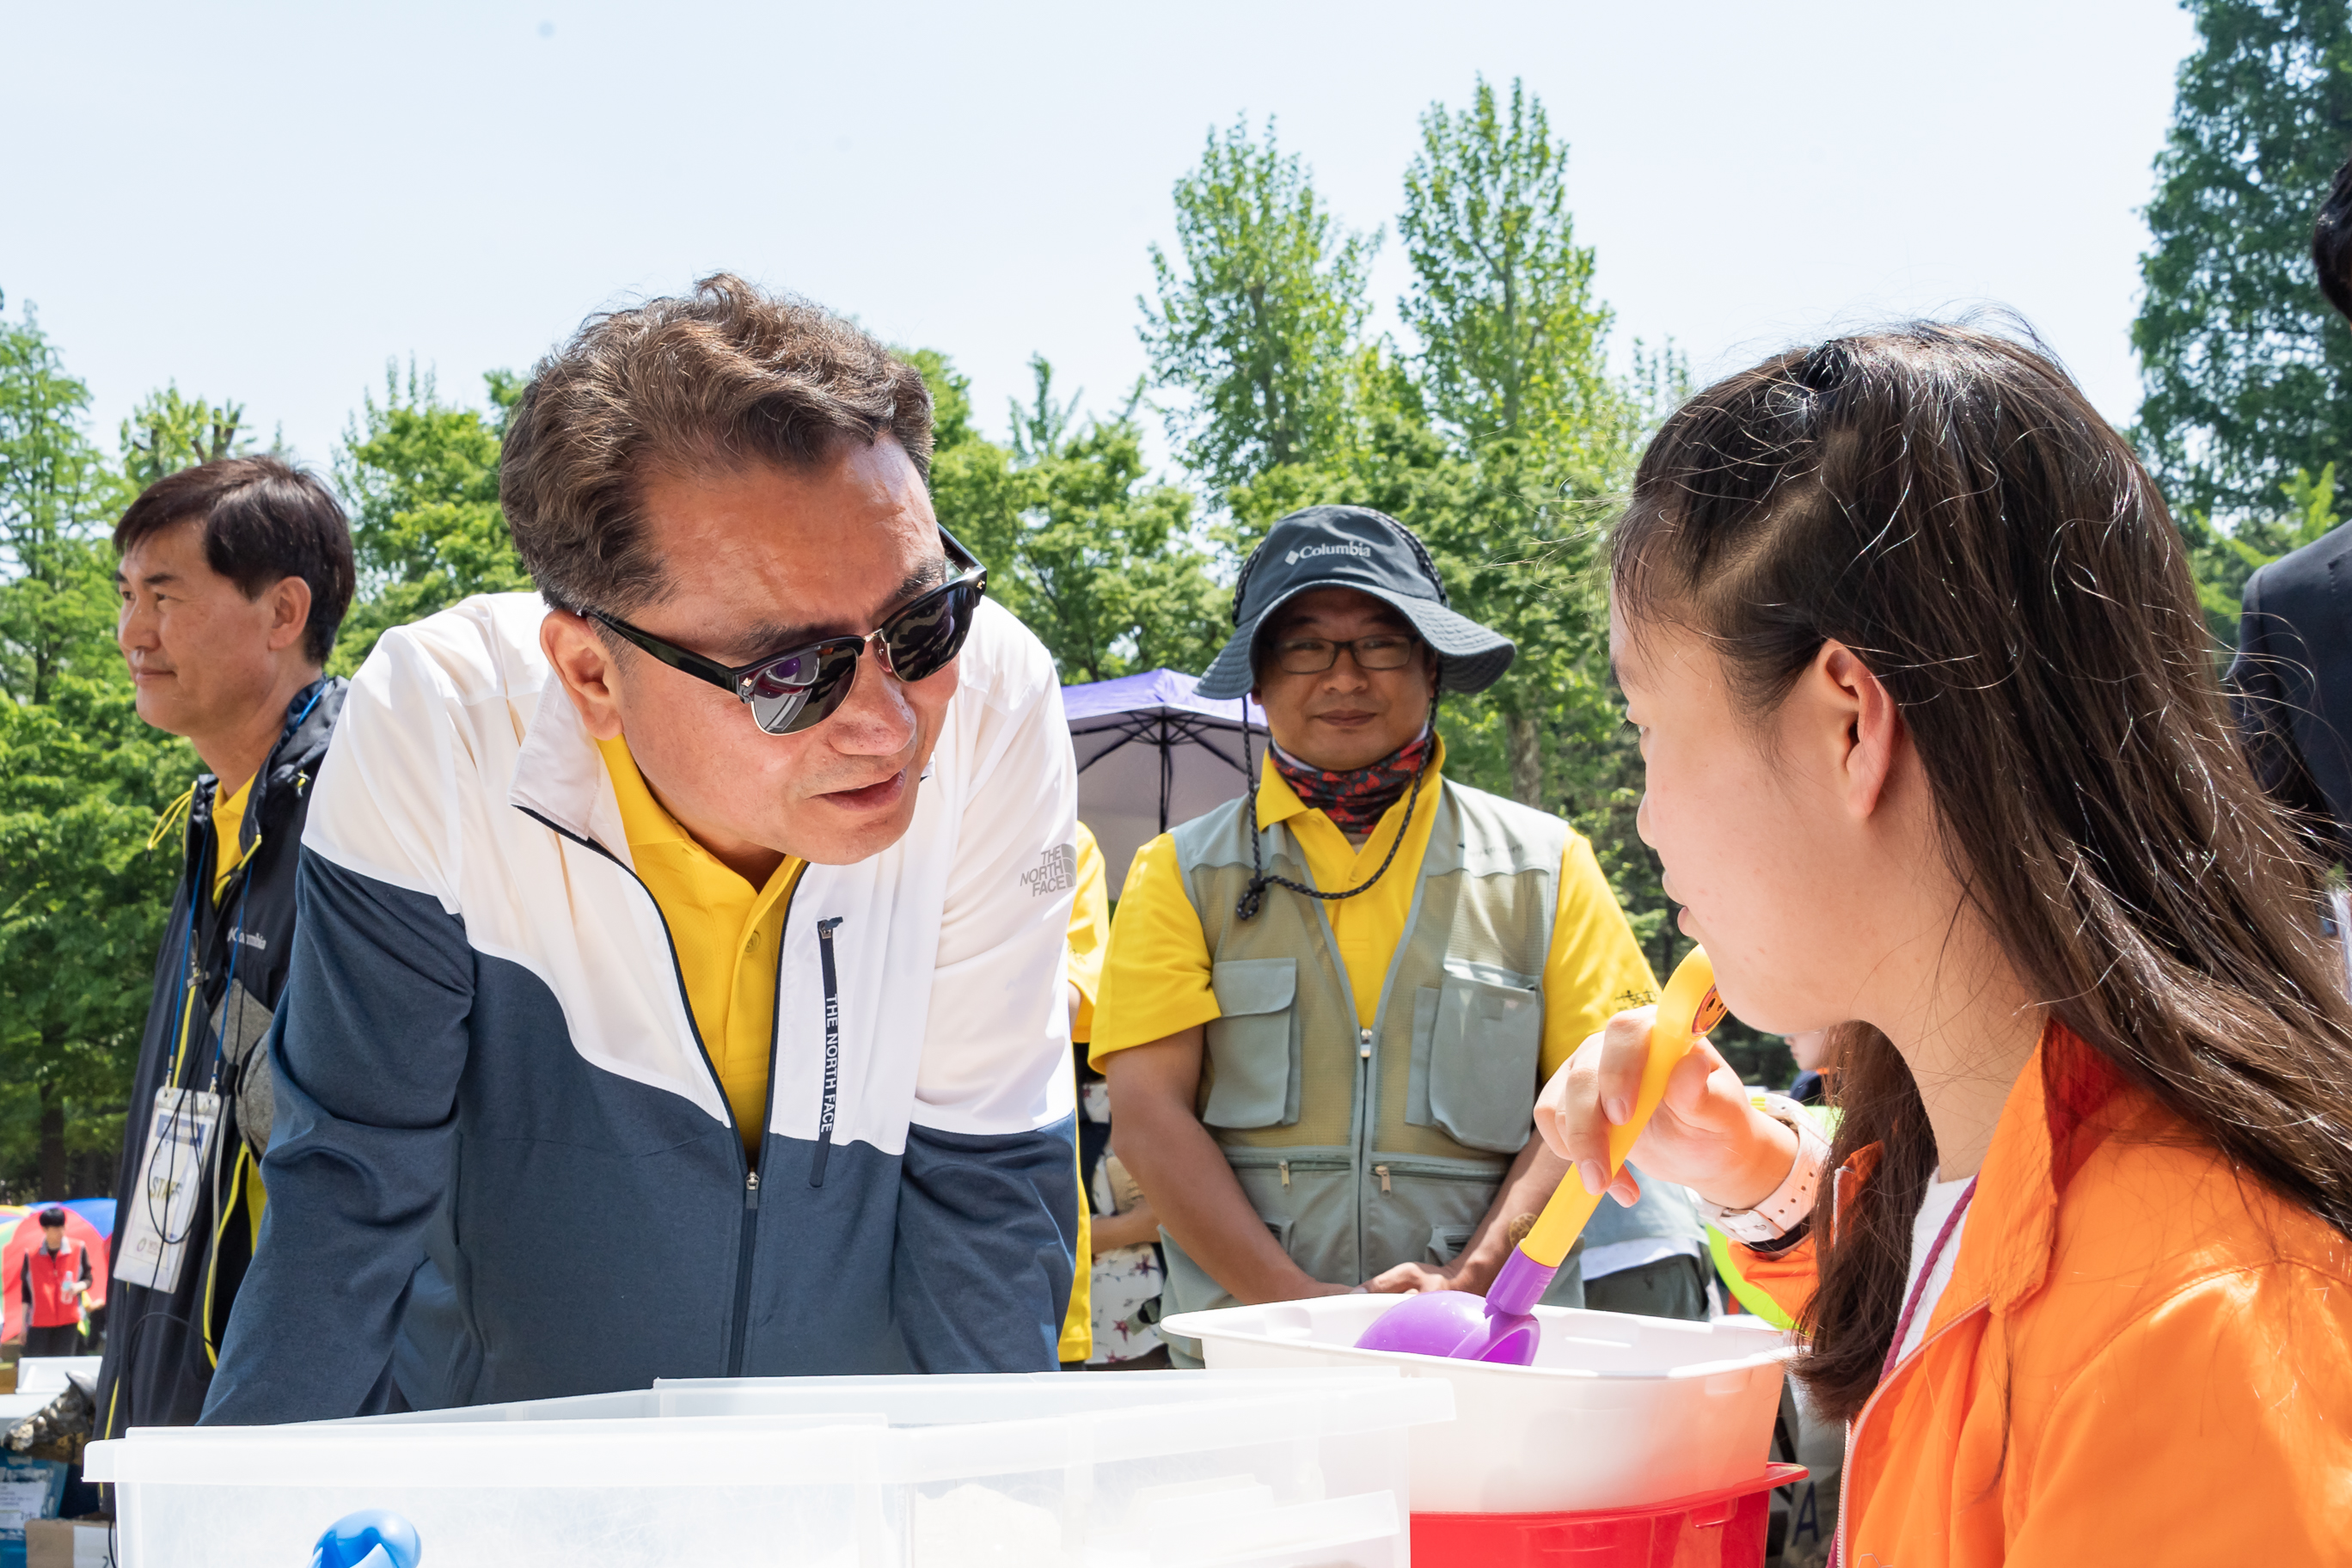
(1251, 1049)
(1485, 1048)
(1245, 985)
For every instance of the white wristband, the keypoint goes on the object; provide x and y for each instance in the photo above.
(1792, 1200)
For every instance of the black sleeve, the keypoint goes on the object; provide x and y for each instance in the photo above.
(367, 1049)
(2269, 683)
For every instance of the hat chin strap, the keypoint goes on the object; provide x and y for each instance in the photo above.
(1253, 897)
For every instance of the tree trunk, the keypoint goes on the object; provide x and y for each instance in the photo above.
(53, 1142)
(1526, 760)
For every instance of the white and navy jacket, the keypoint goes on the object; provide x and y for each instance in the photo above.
(502, 1166)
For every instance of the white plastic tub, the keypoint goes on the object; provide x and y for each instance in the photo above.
(1617, 1412)
(1055, 1470)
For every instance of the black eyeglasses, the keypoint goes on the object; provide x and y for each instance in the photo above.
(798, 688)
(1313, 656)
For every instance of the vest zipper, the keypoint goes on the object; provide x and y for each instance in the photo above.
(1383, 1173)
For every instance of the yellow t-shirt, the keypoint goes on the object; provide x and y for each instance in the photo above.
(228, 822)
(1155, 973)
(727, 932)
(1089, 931)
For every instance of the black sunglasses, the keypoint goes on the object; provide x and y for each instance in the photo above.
(798, 688)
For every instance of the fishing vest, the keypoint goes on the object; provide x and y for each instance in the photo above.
(1364, 1148)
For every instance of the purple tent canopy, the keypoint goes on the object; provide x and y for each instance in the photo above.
(1150, 755)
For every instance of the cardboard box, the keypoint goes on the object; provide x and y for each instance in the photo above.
(68, 1543)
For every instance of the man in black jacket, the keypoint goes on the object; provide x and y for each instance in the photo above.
(234, 577)
(2290, 683)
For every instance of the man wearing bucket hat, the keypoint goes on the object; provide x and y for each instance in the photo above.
(1326, 1008)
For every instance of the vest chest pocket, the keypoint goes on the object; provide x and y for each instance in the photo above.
(1254, 1046)
(1477, 1045)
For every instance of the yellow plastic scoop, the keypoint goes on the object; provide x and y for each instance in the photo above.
(1503, 1327)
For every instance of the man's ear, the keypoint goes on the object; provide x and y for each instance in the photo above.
(289, 613)
(1873, 734)
(588, 669)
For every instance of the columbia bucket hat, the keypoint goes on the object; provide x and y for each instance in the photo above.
(1353, 547)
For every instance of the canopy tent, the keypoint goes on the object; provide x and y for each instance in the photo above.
(99, 1212)
(1150, 755)
(25, 1236)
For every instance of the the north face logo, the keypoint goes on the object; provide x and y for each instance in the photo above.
(1057, 869)
(1303, 552)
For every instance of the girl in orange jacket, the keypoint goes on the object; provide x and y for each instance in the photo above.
(1937, 755)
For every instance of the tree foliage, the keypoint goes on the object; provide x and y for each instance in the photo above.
(1257, 324)
(2248, 372)
(1502, 294)
(420, 477)
(168, 431)
(81, 781)
(1080, 543)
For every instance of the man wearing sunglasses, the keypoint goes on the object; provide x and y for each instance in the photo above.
(681, 994)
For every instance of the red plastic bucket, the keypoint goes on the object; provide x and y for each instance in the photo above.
(1723, 1529)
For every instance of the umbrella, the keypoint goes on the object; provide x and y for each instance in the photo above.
(1150, 755)
(26, 1235)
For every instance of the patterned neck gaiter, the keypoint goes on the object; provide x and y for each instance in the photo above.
(1355, 799)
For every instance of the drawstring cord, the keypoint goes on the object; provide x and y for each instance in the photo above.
(1253, 897)
(173, 816)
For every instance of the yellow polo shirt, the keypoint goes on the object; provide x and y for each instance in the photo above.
(1089, 932)
(229, 821)
(1155, 973)
(727, 932)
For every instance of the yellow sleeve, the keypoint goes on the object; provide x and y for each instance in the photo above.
(1155, 975)
(1596, 968)
(1089, 931)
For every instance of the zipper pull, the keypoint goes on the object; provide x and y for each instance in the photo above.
(1383, 1173)
(750, 1189)
(1284, 1167)
(1364, 1044)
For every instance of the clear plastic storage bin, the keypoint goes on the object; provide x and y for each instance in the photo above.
(1050, 1470)
(1617, 1412)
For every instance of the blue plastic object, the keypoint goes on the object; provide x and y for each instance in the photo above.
(371, 1537)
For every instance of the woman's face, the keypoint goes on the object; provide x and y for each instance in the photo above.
(1755, 824)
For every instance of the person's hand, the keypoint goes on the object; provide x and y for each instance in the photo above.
(1704, 1135)
(1410, 1279)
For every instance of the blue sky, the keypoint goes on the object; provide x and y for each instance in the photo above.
(266, 202)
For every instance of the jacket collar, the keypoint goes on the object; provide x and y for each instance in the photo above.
(293, 760)
(560, 776)
(2065, 1102)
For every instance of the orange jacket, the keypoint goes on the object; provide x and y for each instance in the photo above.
(2143, 1356)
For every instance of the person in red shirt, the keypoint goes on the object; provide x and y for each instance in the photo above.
(54, 1279)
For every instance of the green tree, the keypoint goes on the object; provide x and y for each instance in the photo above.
(168, 431)
(2248, 373)
(81, 781)
(1501, 301)
(421, 478)
(1258, 324)
(1098, 560)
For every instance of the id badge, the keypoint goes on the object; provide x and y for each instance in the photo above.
(160, 1213)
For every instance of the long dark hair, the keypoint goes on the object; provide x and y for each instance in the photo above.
(1946, 503)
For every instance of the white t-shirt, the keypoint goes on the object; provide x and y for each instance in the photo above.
(1942, 1198)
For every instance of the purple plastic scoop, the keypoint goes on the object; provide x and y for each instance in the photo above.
(1501, 1328)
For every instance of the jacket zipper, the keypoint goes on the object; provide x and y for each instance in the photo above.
(751, 1172)
(1838, 1558)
